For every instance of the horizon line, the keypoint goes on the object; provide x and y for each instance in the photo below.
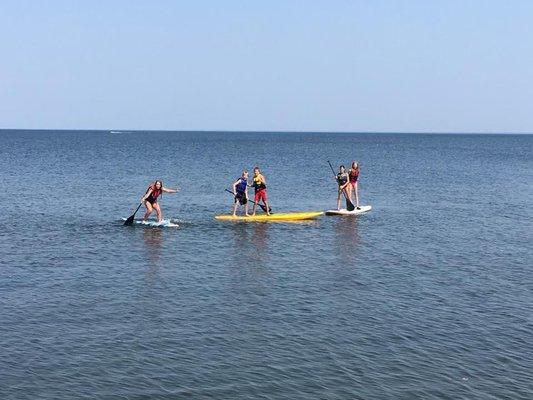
(266, 131)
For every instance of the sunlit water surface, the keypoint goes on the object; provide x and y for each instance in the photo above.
(429, 296)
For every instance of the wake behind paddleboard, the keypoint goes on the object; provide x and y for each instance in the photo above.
(290, 216)
(343, 211)
(166, 223)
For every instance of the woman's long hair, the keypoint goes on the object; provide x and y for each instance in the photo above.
(152, 186)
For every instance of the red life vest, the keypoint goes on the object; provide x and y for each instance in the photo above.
(155, 192)
(354, 174)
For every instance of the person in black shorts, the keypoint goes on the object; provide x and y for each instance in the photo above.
(240, 191)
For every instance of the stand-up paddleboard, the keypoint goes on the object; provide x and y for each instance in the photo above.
(166, 223)
(343, 211)
(290, 216)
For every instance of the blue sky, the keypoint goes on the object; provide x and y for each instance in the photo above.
(411, 66)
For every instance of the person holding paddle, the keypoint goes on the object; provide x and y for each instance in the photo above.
(149, 199)
(240, 192)
(259, 184)
(343, 177)
(354, 175)
(343, 182)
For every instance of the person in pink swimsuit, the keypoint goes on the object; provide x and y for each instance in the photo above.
(353, 174)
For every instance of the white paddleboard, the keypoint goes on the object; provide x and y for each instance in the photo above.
(343, 211)
(166, 223)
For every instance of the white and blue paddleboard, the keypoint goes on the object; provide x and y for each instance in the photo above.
(166, 223)
(343, 211)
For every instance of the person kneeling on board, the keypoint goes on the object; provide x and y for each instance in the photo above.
(259, 184)
(149, 199)
(240, 191)
(342, 179)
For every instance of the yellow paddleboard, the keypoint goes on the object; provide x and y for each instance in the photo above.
(290, 216)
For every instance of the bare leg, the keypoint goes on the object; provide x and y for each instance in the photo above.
(159, 213)
(246, 209)
(149, 210)
(356, 196)
(253, 208)
(346, 194)
(267, 208)
(339, 200)
(235, 205)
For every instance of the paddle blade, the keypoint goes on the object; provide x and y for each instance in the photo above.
(129, 221)
(349, 204)
(264, 208)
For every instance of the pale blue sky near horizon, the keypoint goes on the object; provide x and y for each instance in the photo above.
(361, 66)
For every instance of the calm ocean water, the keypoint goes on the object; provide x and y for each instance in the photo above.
(429, 296)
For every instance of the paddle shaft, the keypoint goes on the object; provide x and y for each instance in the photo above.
(137, 209)
(129, 221)
(332, 170)
(251, 201)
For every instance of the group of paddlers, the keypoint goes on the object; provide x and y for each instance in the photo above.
(346, 180)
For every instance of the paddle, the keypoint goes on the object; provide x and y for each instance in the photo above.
(251, 201)
(349, 204)
(129, 221)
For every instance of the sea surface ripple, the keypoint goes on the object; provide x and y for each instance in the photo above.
(429, 296)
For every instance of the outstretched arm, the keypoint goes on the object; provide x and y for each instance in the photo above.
(167, 190)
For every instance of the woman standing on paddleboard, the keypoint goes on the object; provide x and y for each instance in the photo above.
(354, 175)
(343, 181)
(149, 200)
(259, 184)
